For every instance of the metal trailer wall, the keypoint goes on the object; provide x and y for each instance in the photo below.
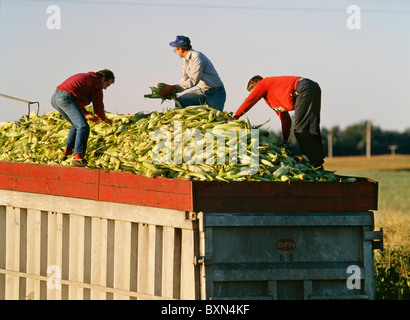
(288, 256)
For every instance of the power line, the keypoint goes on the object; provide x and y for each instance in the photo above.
(208, 6)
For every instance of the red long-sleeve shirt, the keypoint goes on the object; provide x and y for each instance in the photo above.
(277, 93)
(86, 88)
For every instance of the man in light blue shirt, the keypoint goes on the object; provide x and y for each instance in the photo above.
(197, 71)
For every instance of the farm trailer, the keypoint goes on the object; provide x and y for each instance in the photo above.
(75, 233)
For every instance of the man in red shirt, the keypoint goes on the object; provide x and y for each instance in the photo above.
(287, 93)
(70, 99)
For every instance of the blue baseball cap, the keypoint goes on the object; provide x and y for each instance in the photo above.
(180, 41)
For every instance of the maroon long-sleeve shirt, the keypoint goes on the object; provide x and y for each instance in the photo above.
(86, 88)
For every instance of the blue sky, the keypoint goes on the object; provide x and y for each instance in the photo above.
(364, 73)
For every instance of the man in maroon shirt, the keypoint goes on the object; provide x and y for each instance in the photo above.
(287, 93)
(70, 99)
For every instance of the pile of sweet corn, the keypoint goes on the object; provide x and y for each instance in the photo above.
(131, 142)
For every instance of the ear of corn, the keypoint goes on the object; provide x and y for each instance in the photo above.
(129, 145)
(155, 94)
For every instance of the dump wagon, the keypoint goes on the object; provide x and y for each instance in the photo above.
(77, 233)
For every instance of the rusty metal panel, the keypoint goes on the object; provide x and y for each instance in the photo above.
(287, 256)
(275, 197)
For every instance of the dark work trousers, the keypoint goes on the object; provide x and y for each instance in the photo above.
(307, 121)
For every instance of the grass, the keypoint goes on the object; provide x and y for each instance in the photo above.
(383, 162)
(391, 173)
(392, 266)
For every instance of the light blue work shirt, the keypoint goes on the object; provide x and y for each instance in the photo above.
(198, 71)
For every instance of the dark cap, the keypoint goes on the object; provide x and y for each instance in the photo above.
(180, 41)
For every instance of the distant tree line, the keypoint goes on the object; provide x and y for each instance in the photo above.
(352, 140)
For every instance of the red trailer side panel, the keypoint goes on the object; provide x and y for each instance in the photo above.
(186, 195)
(137, 189)
(54, 180)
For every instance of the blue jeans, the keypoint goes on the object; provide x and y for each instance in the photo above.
(66, 104)
(214, 98)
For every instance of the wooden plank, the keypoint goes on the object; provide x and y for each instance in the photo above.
(12, 252)
(23, 253)
(33, 253)
(142, 197)
(158, 192)
(134, 259)
(155, 262)
(58, 188)
(98, 257)
(44, 253)
(122, 258)
(76, 258)
(177, 264)
(101, 209)
(168, 259)
(54, 255)
(110, 256)
(51, 172)
(87, 286)
(137, 181)
(187, 265)
(6, 168)
(6, 179)
(151, 259)
(6, 182)
(87, 256)
(143, 268)
(46, 179)
(3, 239)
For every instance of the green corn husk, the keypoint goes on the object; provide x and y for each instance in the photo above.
(128, 145)
(156, 95)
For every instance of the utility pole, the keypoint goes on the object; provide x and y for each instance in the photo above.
(368, 139)
(329, 145)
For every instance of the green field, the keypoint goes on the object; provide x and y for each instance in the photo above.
(391, 173)
(392, 266)
(394, 188)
